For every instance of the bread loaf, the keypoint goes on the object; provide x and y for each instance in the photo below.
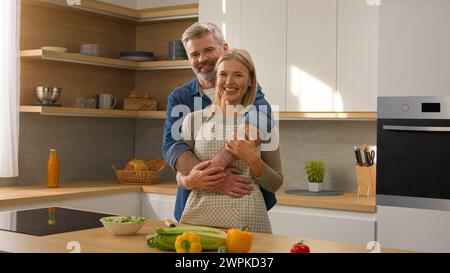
(136, 165)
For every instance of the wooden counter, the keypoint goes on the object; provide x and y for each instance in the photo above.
(100, 240)
(21, 195)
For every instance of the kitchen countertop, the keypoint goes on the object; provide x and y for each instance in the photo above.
(21, 195)
(100, 240)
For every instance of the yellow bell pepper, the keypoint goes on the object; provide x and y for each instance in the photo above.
(239, 241)
(188, 242)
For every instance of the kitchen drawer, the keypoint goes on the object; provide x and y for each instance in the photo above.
(120, 204)
(349, 227)
(415, 229)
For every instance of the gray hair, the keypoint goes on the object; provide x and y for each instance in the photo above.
(199, 30)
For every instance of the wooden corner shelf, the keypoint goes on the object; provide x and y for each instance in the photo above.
(136, 15)
(102, 61)
(86, 112)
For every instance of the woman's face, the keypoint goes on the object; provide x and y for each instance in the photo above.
(233, 81)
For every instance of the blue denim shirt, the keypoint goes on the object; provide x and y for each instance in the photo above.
(173, 148)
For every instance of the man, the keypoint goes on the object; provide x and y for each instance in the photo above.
(204, 44)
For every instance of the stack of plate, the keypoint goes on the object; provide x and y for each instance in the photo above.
(176, 50)
(139, 56)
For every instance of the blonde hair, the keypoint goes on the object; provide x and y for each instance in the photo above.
(199, 30)
(244, 58)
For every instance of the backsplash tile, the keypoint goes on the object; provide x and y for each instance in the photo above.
(300, 141)
(87, 147)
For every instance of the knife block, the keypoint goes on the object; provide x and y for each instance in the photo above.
(367, 180)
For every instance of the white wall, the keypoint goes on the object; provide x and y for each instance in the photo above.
(144, 4)
(414, 55)
(133, 4)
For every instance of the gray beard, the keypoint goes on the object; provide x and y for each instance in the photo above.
(205, 76)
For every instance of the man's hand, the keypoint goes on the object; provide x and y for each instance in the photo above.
(202, 177)
(234, 185)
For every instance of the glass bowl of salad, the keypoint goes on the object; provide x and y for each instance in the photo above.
(123, 225)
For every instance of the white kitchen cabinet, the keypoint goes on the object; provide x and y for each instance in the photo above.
(414, 55)
(226, 14)
(357, 56)
(120, 204)
(349, 227)
(258, 26)
(263, 34)
(158, 206)
(413, 229)
(311, 55)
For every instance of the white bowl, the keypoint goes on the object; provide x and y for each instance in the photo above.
(54, 48)
(121, 229)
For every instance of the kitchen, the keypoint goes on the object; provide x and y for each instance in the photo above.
(326, 91)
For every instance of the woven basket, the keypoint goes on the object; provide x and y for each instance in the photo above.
(137, 177)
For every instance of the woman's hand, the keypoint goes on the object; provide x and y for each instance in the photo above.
(242, 149)
(246, 150)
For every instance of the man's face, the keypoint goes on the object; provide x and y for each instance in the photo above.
(203, 54)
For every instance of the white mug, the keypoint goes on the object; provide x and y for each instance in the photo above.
(106, 101)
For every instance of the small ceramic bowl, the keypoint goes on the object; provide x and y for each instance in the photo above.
(114, 225)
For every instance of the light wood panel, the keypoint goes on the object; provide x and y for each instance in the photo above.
(159, 84)
(368, 116)
(51, 25)
(75, 80)
(99, 240)
(155, 37)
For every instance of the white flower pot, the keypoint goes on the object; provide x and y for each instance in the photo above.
(316, 187)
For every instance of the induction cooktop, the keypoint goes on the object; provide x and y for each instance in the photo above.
(51, 220)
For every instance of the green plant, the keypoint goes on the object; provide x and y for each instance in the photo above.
(315, 171)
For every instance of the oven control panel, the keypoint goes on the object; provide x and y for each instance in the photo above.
(413, 107)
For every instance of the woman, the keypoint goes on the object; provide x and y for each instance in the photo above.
(209, 130)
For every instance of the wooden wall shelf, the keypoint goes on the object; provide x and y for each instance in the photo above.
(102, 61)
(69, 111)
(144, 15)
(86, 112)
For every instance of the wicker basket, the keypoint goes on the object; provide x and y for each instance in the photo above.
(137, 177)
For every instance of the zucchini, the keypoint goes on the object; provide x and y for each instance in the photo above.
(164, 238)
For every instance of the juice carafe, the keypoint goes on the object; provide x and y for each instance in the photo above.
(53, 170)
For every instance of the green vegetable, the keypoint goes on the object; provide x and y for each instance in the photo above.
(124, 219)
(315, 171)
(164, 238)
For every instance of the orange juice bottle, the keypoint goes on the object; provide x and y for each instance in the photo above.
(53, 170)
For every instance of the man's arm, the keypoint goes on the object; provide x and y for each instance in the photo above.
(172, 149)
(186, 162)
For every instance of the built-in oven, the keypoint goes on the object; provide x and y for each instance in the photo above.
(413, 145)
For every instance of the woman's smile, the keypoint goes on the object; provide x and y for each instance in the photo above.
(233, 81)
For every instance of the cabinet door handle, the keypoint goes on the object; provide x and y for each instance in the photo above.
(416, 128)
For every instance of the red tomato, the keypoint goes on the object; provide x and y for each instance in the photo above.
(300, 248)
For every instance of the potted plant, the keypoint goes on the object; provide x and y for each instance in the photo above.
(315, 171)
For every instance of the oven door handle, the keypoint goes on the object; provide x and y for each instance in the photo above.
(416, 128)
